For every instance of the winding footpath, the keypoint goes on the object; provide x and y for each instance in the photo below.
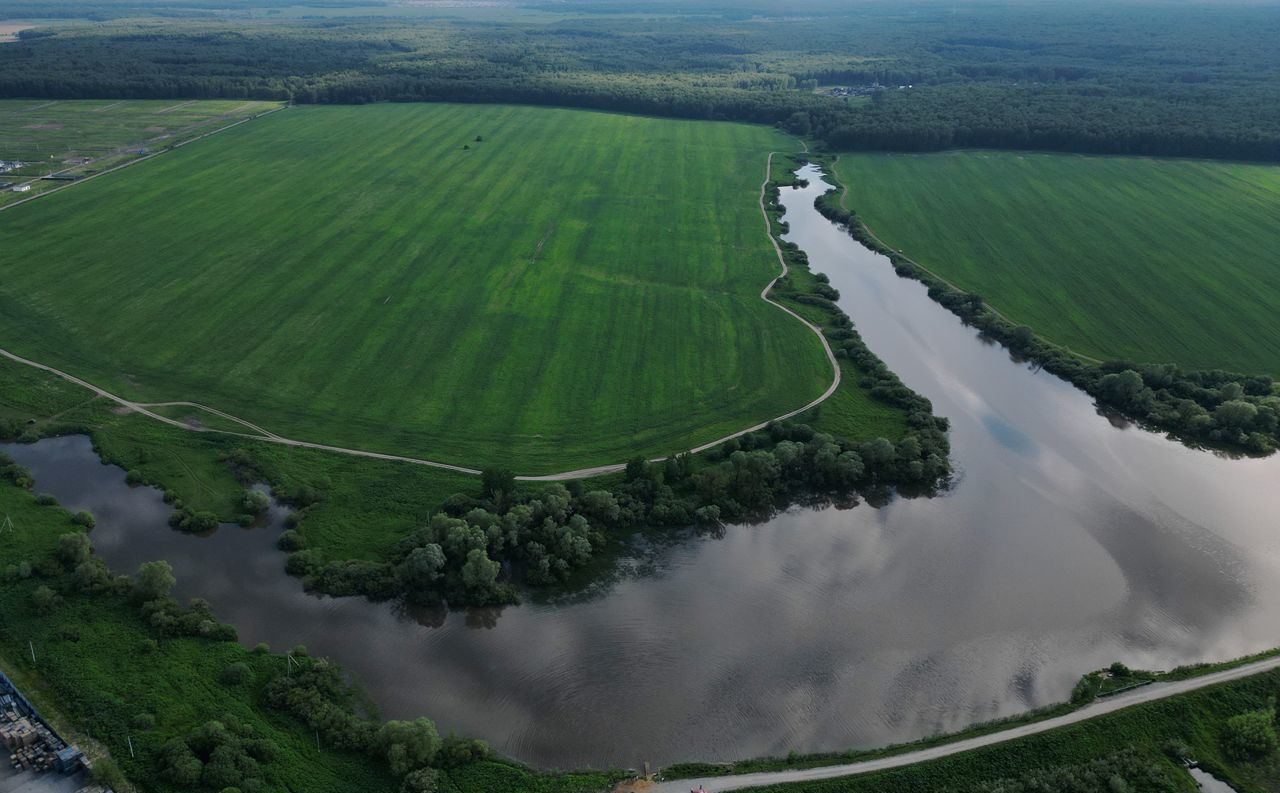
(1127, 699)
(258, 433)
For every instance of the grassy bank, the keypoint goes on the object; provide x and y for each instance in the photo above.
(535, 288)
(1215, 408)
(1140, 746)
(1151, 260)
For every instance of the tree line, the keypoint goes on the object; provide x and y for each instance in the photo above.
(1056, 78)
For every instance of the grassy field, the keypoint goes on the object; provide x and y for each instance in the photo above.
(84, 137)
(576, 288)
(1153, 260)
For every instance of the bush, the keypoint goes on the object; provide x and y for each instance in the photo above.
(1250, 736)
(1086, 689)
(83, 518)
(189, 520)
(46, 500)
(290, 541)
(255, 502)
(143, 721)
(236, 674)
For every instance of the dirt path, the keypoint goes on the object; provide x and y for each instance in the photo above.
(1138, 696)
(261, 434)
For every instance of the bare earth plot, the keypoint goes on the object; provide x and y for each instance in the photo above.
(82, 137)
(571, 289)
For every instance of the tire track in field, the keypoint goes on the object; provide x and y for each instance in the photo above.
(261, 434)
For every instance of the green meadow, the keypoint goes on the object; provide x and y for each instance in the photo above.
(1151, 260)
(536, 288)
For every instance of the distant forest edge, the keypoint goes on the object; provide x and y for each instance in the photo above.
(1112, 79)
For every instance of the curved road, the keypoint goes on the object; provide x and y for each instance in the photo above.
(258, 433)
(1137, 696)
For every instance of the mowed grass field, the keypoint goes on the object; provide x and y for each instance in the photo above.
(575, 289)
(1152, 260)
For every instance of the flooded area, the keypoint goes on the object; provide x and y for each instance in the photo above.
(1068, 542)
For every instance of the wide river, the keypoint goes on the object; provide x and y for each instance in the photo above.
(1067, 543)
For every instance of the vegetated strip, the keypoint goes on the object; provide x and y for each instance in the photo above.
(113, 169)
(582, 473)
(1213, 408)
(1119, 701)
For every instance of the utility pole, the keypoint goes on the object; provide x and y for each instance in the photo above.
(130, 740)
(32, 647)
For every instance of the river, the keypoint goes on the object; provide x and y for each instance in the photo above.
(1068, 542)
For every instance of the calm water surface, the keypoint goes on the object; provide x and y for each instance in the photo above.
(1066, 544)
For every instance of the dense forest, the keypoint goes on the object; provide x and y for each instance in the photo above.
(1110, 78)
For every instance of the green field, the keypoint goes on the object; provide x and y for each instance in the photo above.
(82, 137)
(575, 289)
(1152, 260)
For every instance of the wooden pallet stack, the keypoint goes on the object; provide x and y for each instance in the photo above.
(32, 746)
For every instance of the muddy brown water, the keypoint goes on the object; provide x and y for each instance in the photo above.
(1067, 543)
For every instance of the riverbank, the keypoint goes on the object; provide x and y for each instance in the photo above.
(135, 687)
(1224, 410)
(1143, 738)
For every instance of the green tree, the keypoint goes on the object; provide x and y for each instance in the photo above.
(155, 579)
(74, 549)
(1235, 414)
(479, 572)
(1250, 736)
(424, 780)
(408, 745)
(497, 483)
(255, 502)
(46, 600)
(422, 568)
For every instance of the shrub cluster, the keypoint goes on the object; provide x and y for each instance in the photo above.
(17, 474)
(1121, 772)
(316, 693)
(216, 756)
(1250, 736)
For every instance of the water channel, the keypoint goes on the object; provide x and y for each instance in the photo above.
(1067, 543)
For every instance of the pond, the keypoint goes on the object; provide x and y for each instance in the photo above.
(1069, 541)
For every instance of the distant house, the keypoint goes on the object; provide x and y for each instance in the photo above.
(21, 188)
